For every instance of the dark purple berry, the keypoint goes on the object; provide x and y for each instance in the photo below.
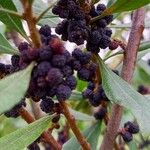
(108, 32)
(63, 92)
(47, 105)
(102, 23)
(109, 19)
(95, 37)
(2, 68)
(45, 30)
(62, 27)
(76, 65)
(58, 61)
(54, 77)
(100, 114)
(88, 93)
(43, 68)
(45, 53)
(131, 127)
(142, 89)
(71, 82)
(101, 7)
(77, 53)
(23, 46)
(91, 85)
(84, 74)
(113, 45)
(127, 136)
(15, 60)
(41, 82)
(86, 57)
(67, 71)
(104, 42)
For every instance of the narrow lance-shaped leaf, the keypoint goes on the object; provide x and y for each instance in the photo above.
(91, 134)
(122, 93)
(126, 5)
(13, 88)
(11, 21)
(5, 47)
(21, 138)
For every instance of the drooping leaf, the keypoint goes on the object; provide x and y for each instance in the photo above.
(122, 93)
(81, 116)
(23, 137)
(5, 47)
(11, 21)
(13, 88)
(91, 134)
(38, 7)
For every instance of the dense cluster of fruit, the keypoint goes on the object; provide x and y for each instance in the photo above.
(76, 26)
(53, 74)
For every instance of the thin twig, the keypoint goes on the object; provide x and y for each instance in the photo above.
(71, 120)
(47, 137)
(31, 21)
(127, 73)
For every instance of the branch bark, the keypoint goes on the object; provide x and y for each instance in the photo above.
(31, 21)
(81, 139)
(47, 137)
(127, 73)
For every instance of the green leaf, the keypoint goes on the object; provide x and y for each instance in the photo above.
(126, 5)
(141, 77)
(5, 47)
(76, 96)
(11, 21)
(132, 145)
(122, 93)
(25, 136)
(81, 116)
(13, 88)
(143, 64)
(38, 7)
(91, 134)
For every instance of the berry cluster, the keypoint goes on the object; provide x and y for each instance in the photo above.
(53, 74)
(76, 27)
(129, 129)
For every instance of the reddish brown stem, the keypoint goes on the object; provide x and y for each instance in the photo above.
(31, 21)
(47, 137)
(71, 120)
(127, 72)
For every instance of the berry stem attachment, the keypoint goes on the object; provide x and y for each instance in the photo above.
(127, 73)
(31, 21)
(47, 137)
(81, 139)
